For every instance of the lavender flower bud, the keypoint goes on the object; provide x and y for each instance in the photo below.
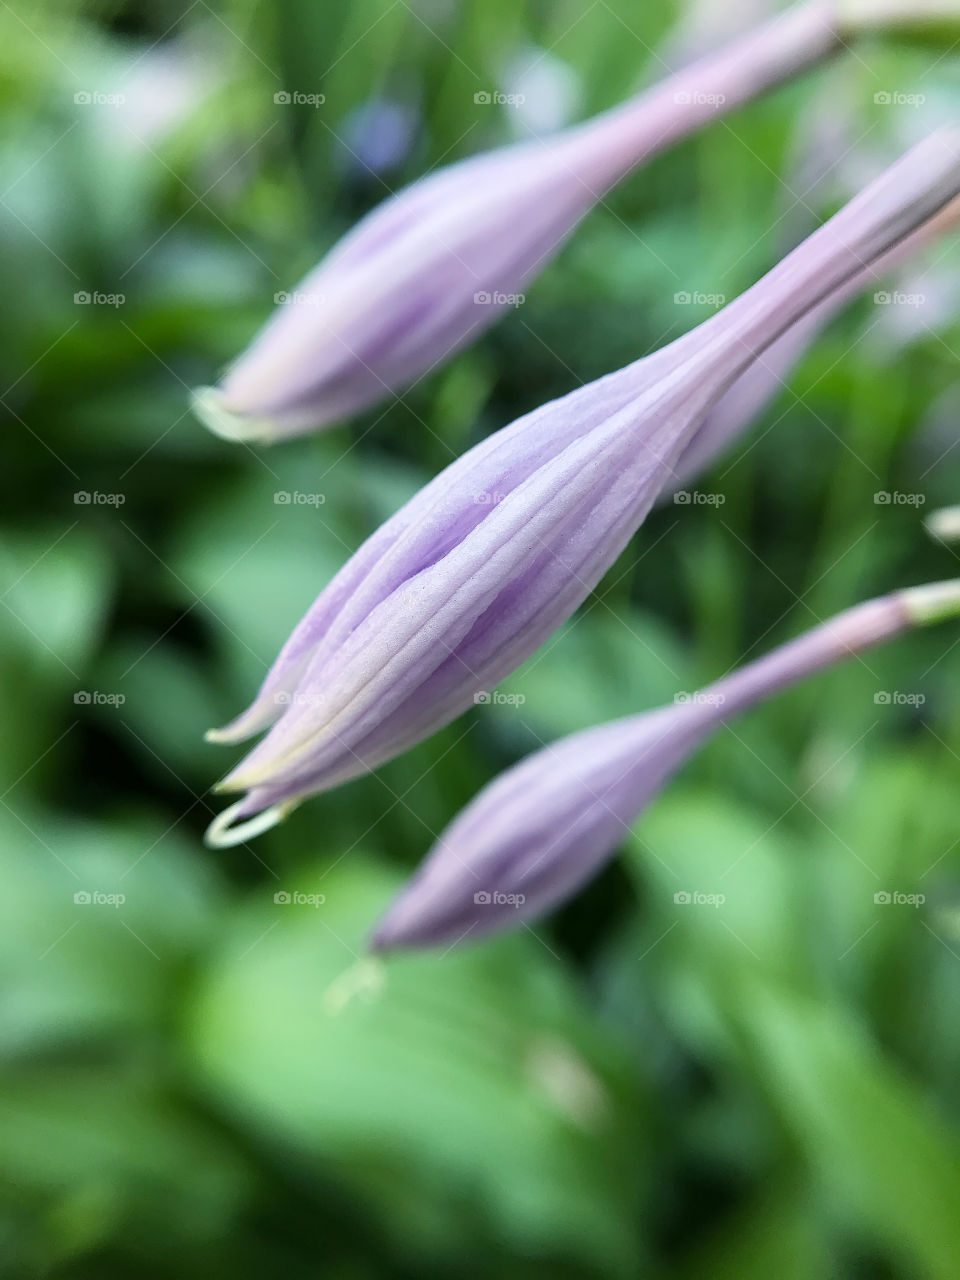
(438, 263)
(539, 831)
(459, 587)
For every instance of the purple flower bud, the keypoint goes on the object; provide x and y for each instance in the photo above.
(436, 264)
(540, 830)
(459, 587)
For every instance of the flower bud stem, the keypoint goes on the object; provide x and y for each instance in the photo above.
(858, 17)
(848, 634)
(713, 85)
(935, 602)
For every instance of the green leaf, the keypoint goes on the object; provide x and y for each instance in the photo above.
(476, 1073)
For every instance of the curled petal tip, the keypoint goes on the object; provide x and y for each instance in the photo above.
(221, 835)
(209, 405)
(944, 525)
(364, 980)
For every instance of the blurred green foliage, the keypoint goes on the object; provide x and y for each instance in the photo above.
(199, 1081)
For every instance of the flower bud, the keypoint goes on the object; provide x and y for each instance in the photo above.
(457, 590)
(538, 832)
(438, 263)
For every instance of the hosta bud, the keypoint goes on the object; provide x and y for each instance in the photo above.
(459, 587)
(539, 831)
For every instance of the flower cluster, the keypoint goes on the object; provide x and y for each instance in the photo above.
(453, 593)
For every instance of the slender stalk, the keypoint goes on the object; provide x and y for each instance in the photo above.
(684, 101)
(915, 189)
(860, 16)
(848, 634)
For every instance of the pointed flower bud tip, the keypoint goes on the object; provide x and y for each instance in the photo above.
(209, 405)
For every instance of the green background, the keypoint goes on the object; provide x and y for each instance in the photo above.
(634, 1087)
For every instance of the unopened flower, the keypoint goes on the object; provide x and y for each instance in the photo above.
(436, 264)
(456, 590)
(539, 831)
